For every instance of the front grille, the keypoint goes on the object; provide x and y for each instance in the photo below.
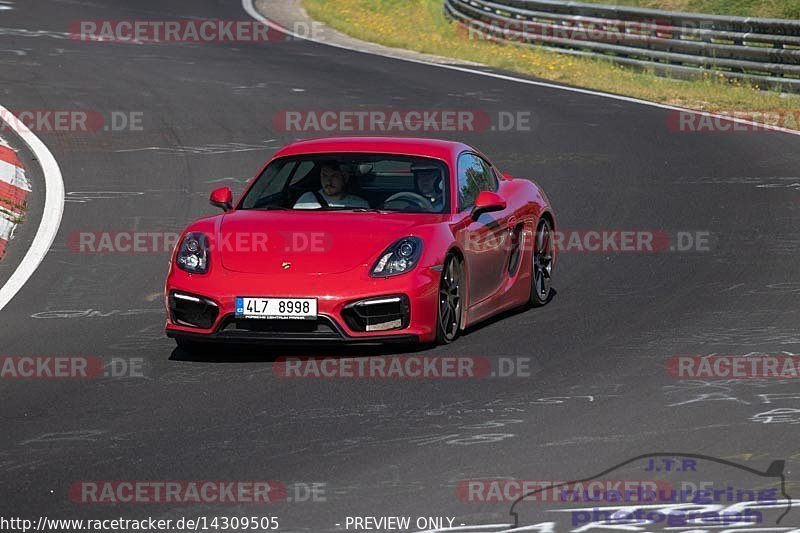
(192, 311)
(322, 327)
(378, 314)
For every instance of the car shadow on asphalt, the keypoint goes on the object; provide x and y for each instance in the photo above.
(505, 315)
(257, 353)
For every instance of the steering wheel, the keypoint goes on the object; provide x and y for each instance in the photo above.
(410, 198)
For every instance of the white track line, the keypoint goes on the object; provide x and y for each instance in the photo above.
(53, 208)
(253, 12)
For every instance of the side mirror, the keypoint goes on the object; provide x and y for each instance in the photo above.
(487, 202)
(222, 198)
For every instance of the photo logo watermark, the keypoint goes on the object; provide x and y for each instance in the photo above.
(402, 121)
(402, 367)
(691, 503)
(666, 517)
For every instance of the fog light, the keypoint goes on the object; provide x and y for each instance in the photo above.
(378, 314)
(192, 311)
(394, 324)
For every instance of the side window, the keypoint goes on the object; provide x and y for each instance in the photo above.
(492, 183)
(467, 186)
(474, 176)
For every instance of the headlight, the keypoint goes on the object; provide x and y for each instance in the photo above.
(400, 257)
(193, 253)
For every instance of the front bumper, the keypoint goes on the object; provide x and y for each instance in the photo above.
(336, 296)
(281, 338)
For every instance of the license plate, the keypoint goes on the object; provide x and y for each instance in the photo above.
(277, 308)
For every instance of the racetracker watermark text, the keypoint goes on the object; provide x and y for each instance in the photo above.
(604, 31)
(72, 120)
(190, 31)
(599, 241)
(736, 121)
(69, 367)
(402, 121)
(734, 367)
(146, 242)
(402, 367)
(509, 490)
(178, 492)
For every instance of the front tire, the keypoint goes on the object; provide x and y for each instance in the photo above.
(542, 270)
(450, 301)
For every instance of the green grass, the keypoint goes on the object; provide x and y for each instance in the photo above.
(13, 217)
(785, 9)
(421, 25)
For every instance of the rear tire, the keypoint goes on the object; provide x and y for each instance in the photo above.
(542, 265)
(450, 301)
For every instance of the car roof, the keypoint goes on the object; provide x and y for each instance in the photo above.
(435, 148)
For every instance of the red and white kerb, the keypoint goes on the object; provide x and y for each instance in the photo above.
(14, 190)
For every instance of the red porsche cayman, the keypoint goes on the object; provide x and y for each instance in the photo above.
(362, 240)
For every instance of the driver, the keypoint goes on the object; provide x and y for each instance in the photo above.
(429, 185)
(333, 193)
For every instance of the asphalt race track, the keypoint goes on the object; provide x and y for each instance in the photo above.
(597, 394)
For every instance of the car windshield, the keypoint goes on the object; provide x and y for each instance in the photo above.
(351, 182)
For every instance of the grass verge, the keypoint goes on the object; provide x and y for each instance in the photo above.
(422, 26)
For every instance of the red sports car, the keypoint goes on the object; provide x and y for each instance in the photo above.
(362, 240)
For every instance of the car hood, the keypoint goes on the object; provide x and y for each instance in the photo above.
(310, 242)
